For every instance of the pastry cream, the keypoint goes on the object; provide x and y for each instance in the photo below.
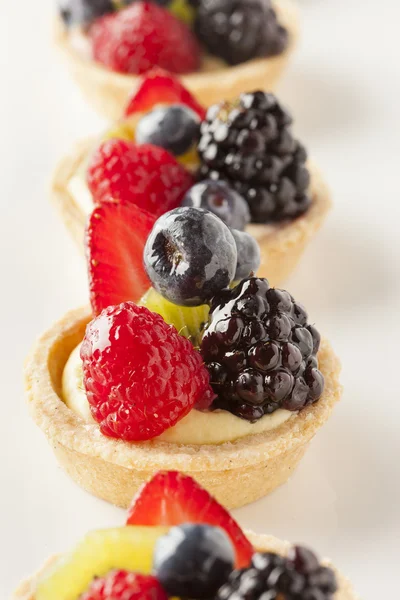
(197, 428)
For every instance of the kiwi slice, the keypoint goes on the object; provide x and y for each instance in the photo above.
(99, 552)
(187, 320)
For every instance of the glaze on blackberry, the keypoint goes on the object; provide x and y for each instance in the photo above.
(239, 30)
(249, 144)
(271, 577)
(260, 351)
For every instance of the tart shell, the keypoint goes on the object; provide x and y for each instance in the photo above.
(236, 473)
(282, 245)
(108, 92)
(263, 543)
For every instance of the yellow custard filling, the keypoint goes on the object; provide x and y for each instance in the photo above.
(197, 428)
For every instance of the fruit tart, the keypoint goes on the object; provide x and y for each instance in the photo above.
(186, 360)
(239, 160)
(179, 542)
(219, 48)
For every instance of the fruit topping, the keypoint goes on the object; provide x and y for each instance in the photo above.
(193, 561)
(99, 552)
(142, 36)
(249, 144)
(239, 30)
(83, 12)
(183, 9)
(220, 199)
(115, 239)
(190, 255)
(141, 377)
(160, 87)
(188, 320)
(272, 577)
(147, 176)
(172, 498)
(175, 128)
(248, 254)
(260, 351)
(124, 585)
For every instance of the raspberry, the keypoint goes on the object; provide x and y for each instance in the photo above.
(143, 36)
(240, 30)
(123, 585)
(260, 351)
(141, 377)
(272, 577)
(249, 144)
(147, 176)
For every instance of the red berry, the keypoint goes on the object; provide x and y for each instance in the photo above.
(115, 238)
(160, 87)
(141, 377)
(142, 36)
(123, 585)
(145, 175)
(172, 498)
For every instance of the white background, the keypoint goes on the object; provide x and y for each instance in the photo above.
(344, 89)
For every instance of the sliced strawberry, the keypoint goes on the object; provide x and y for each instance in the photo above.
(171, 498)
(145, 175)
(115, 238)
(160, 87)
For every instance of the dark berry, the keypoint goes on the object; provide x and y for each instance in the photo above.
(175, 128)
(220, 199)
(271, 577)
(190, 256)
(193, 561)
(248, 254)
(249, 144)
(83, 12)
(239, 30)
(257, 353)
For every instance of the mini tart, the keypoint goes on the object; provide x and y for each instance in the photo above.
(108, 91)
(262, 543)
(236, 473)
(281, 245)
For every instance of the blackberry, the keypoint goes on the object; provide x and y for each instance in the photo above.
(249, 144)
(260, 351)
(271, 577)
(239, 30)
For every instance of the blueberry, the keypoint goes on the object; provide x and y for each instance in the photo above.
(248, 254)
(193, 561)
(220, 199)
(190, 255)
(83, 12)
(175, 128)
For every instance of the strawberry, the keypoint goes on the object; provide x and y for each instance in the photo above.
(142, 36)
(172, 498)
(115, 238)
(145, 175)
(160, 87)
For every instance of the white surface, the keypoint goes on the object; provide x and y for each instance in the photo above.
(344, 88)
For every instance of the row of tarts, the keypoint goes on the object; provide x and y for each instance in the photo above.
(190, 209)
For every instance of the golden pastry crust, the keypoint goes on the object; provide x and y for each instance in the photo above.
(282, 246)
(235, 473)
(263, 543)
(108, 91)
